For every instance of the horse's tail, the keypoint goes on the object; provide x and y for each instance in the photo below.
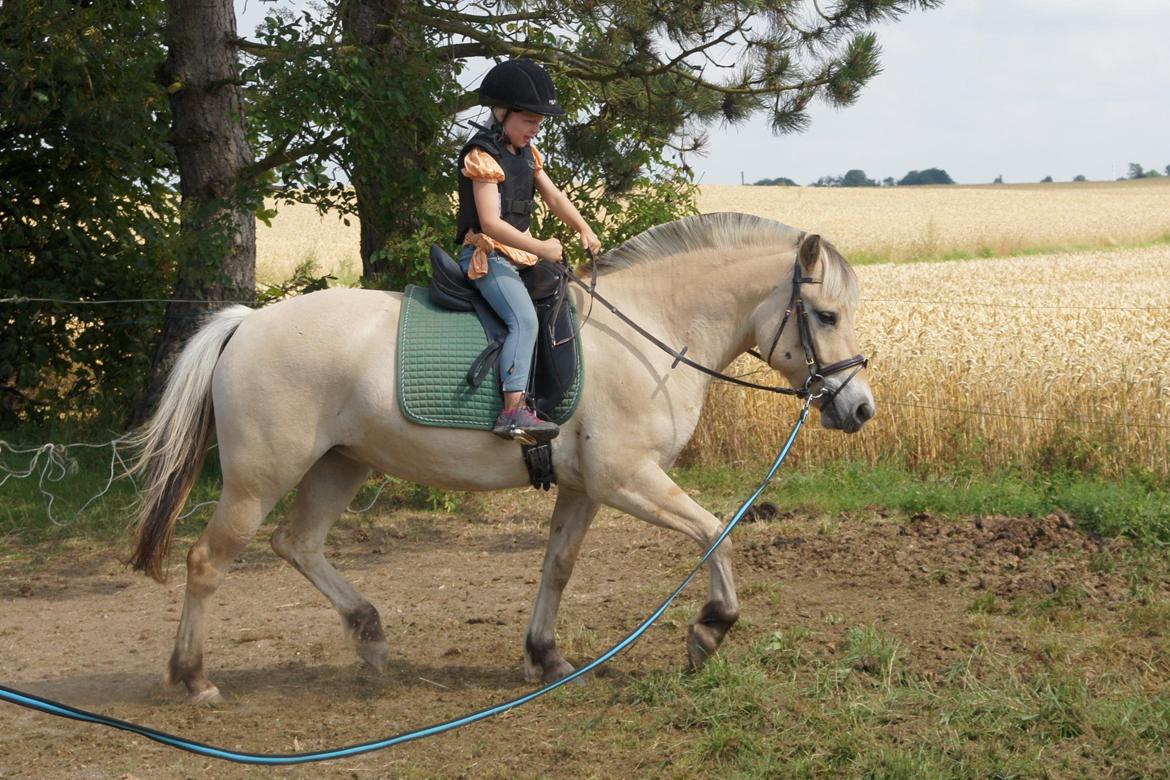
(169, 448)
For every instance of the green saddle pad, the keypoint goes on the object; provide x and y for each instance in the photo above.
(435, 349)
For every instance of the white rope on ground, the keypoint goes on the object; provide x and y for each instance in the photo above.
(373, 500)
(57, 465)
(201, 504)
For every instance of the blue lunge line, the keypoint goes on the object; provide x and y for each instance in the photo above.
(65, 711)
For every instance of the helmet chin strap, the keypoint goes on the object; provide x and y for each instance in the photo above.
(498, 125)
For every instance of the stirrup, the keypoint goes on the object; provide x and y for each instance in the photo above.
(514, 433)
(521, 435)
(526, 436)
(542, 432)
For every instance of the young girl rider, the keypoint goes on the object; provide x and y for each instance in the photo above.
(500, 173)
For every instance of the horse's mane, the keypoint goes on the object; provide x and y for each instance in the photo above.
(722, 230)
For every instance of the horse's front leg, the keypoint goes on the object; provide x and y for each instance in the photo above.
(571, 517)
(649, 494)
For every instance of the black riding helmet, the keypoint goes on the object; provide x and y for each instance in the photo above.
(521, 85)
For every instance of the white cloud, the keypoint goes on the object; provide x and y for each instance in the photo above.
(982, 88)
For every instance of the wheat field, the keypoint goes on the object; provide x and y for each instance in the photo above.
(1046, 361)
(867, 224)
(903, 223)
(1058, 360)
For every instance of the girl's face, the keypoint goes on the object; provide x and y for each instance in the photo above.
(521, 127)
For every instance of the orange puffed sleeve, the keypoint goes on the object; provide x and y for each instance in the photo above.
(536, 155)
(481, 166)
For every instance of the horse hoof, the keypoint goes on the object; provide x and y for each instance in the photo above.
(700, 647)
(375, 654)
(537, 673)
(205, 697)
(532, 672)
(559, 671)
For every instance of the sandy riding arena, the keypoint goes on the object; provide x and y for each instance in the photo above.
(859, 632)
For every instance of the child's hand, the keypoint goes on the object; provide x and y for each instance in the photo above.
(551, 249)
(590, 241)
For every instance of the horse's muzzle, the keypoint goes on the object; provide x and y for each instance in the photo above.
(848, 411)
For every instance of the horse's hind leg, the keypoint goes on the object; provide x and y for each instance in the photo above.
(570, 520)
(322, 496)
(235, 521)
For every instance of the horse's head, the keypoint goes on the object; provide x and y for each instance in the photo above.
(804, 329)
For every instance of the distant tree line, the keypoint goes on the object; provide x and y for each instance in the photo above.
(1136, 172)
(779, 181)
(857, 178)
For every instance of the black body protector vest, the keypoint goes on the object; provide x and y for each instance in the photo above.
(517, 190)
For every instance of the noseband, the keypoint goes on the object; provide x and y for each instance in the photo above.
(816, 371)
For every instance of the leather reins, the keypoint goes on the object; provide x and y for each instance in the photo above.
(817, 371)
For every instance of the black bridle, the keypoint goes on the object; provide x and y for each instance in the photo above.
(817, 372)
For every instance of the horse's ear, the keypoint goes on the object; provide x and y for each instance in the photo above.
(810, 251)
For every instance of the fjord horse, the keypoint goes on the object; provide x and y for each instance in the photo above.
(300, 394)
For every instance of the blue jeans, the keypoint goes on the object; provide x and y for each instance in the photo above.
(507, 295)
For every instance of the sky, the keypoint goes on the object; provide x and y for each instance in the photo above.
(982, 88)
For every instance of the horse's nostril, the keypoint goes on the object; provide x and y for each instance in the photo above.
(863, 413)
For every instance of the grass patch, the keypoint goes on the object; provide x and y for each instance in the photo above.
(870, 651)
(1137, 507)
(746, 715)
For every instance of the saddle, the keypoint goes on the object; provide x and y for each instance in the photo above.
(555, 365)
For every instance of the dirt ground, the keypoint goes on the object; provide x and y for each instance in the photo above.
(455, 593)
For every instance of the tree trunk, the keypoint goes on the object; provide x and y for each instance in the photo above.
(371, 25)
(217, 256)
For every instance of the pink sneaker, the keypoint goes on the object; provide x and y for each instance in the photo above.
(524, 426)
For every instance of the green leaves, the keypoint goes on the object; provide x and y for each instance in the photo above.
(86, 210)
(639, 78)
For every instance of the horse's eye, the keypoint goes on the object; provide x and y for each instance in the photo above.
(827, 318)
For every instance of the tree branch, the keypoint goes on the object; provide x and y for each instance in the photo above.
(283, 155)
(489, 19)
(587, 69)
(466, 100)
(458, 51)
